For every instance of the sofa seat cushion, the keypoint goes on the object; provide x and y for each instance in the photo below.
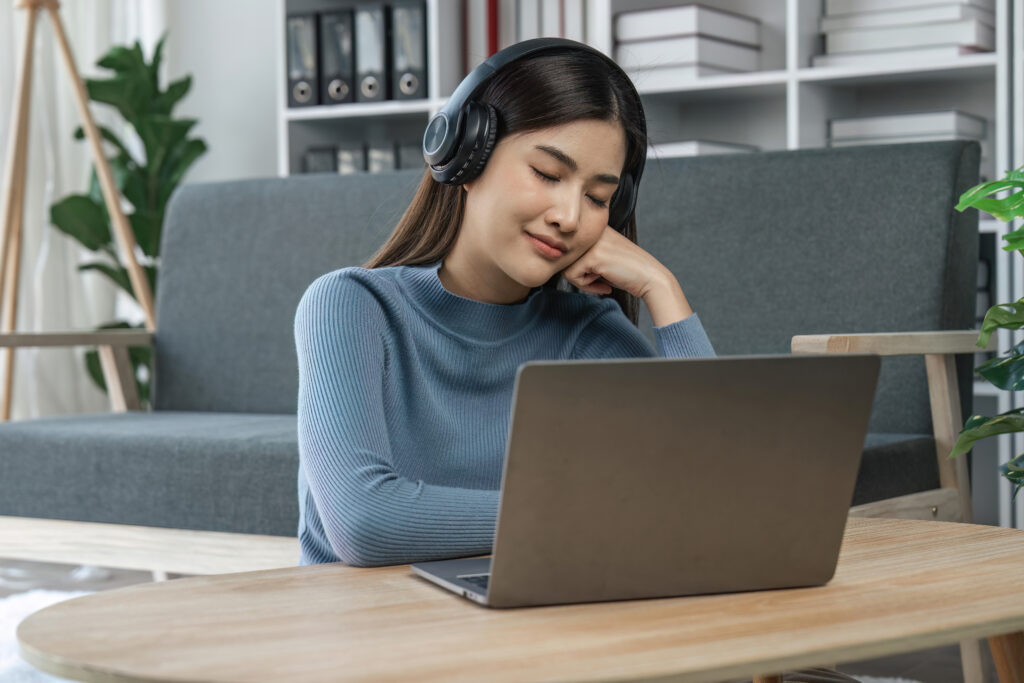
(189, 470)
(895, 465)
(237, 471)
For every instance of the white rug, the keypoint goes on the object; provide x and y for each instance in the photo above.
(14, 669)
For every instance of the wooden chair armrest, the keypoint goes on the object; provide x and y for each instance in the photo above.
(121, 338)
(893, 343)
(118, 371)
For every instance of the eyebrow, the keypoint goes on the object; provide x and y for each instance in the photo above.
(571, 163)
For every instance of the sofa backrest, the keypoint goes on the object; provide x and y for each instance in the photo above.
(236, 258)
(765, 246)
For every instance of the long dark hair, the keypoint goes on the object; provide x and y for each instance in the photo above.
(545, 89)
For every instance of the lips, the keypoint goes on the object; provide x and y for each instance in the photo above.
(551, 248)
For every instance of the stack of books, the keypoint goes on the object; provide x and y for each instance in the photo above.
(917, 127)
(692, 148)
(904, 32)
(666, 48)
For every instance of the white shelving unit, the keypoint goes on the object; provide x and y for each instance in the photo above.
(787, 104)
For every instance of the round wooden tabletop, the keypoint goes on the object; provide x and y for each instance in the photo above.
(900, 586)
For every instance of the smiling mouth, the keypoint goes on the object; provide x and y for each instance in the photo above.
(544, 248)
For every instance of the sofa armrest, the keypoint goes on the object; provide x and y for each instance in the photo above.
(118, 371)
(893, 343)
(121, 338)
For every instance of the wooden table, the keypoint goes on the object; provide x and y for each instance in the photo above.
(900, 586)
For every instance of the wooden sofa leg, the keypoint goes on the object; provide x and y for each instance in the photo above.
(119, 374)
(1008, 653)
(970, 661)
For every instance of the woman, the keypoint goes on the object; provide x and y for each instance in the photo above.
(406, 366)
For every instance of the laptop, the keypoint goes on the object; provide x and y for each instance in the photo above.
(650, 478)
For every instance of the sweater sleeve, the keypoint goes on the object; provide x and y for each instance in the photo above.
(371, 514)
(611, 335)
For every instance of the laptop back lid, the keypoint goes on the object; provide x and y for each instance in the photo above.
(646, 478)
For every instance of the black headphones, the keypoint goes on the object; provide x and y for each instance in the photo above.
(460, 137)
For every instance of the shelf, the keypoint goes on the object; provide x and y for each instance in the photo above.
(965, 68)
(359, 109)
(983, 388)
(991, 226)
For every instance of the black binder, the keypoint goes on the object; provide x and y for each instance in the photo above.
(301, 41)
(408, 49)
(336, 63)
(372, 64)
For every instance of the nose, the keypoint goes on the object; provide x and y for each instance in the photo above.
(564, 212)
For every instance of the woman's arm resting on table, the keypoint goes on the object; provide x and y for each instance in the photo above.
(371, 515)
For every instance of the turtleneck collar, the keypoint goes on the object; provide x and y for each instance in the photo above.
(464, 317)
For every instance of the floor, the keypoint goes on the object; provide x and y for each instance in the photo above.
(941, 665)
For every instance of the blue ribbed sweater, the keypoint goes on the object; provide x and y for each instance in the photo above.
(405, 393)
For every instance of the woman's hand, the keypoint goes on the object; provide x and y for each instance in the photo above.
(615, 261)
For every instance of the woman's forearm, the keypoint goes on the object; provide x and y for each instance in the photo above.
(665, 300)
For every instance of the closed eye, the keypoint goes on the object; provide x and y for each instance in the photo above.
(551, 179)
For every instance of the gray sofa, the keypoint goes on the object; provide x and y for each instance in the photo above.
(766, 246)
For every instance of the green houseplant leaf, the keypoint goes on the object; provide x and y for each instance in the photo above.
(1007, 372)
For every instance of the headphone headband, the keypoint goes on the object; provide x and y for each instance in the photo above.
(459, 138)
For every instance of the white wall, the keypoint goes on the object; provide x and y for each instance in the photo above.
(228, 47)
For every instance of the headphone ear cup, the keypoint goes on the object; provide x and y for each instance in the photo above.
(487, 136)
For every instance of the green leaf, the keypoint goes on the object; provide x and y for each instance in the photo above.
(1006, 373)
(127, 94)
(166, 134)
(1001, 316)
(146, 225)
(83, 219)
(166, 101)
(118, 275)
(154, 64)
(968, 198)
(131, 181)
(980, 427)
(124, 60)
(107, 135)
(177, 165)
(1014, 471)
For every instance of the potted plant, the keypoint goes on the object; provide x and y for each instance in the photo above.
(145, 181)
(1003, 372)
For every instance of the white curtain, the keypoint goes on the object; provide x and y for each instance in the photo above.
(53, 295)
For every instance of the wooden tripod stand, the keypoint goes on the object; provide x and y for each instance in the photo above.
(14, 184)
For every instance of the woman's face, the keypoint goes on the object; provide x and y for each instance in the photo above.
(540, 203)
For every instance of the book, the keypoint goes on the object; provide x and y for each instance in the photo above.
(922, 15)
(670, 77)
(690, 148)
(952, 122)
(969, 32)
(923, 55)
(687, 20)
(834, 7)
(687, 50)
